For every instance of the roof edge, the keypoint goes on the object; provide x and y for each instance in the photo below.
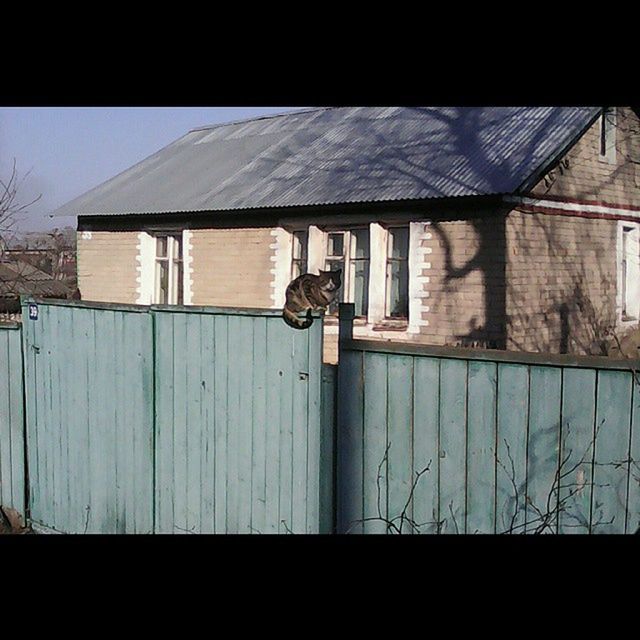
(209, 127)
(552, 159)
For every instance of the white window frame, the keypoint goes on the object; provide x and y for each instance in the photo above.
(629, 286)
(348, 273)
(173, 269)
(607, 134)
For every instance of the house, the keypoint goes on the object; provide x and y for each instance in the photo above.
(505, 227)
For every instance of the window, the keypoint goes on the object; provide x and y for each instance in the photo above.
(349, 251)
(630, 273)
(299, 261)
(397, 289)
(168, 275)
(608, 135)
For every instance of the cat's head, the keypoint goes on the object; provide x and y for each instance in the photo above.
(330, 280)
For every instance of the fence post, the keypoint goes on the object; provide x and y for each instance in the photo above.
(346, 313)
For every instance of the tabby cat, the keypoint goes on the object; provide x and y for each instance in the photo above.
(310, 293)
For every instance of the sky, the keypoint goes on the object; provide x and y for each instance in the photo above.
(61, 152)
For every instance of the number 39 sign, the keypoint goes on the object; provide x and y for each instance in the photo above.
(33, 311)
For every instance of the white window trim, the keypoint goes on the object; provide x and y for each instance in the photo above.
(282, 247)
(146, 268)
(635, 266)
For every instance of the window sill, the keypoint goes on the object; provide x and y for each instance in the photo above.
(391, 325)
(357, 322)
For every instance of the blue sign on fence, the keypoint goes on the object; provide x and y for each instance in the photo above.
(33, 311)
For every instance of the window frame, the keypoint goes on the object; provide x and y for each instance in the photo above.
(175, 267)
(628, 272)
(607, 135)
(347, 289)
(390, 260)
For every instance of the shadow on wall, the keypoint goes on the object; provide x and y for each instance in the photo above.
(576, 301)
(508, 313)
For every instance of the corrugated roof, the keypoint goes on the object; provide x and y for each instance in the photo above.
(342, 155)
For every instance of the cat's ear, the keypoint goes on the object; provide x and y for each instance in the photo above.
(321, 272)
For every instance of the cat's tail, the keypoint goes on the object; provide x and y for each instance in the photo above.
(294, 321)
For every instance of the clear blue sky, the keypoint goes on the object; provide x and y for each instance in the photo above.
(68, 150)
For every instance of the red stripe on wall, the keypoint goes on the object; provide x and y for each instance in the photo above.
(578, 214)
(596, 203)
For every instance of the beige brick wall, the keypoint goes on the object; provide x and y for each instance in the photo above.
(582, 175)
(107, 266)
(465, 270)
(561, 275)
(232, 267)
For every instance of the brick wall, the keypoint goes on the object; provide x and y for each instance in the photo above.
(465, 289)
(232, 267)
(107, 266)
(561, 282)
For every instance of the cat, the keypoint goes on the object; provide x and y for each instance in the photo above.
(310, 293)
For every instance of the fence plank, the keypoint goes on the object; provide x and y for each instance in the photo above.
(244, 361)
(453, 426)
(350, 430)
(482, 397)
(259, 394)
(613, 421)
(12, 445)
(207, 422)
(426, 417)
(512, 420)
(578, 418)
(285, 371)
(318, 504)
(375, 465)
(400, 440)
(221, 332)
(543, 449)
(327, 449)
(299, 429)
(633, 502)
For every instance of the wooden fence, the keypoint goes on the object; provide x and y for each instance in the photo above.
(196, 420)
(202, 420)
(438, 440)
(12, 461)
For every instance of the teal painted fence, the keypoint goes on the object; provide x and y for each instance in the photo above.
(435, 440)
(89, 414)
(238, 423)
(202, 420)
(175, 420)
(12, 464)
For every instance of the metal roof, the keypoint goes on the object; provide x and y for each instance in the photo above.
(342, 155)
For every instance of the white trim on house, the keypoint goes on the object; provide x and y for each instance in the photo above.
(632, 285)
(377, 273)
(187, 268)
(573, 206)
(282, 247)
(315, 250)
(418, 262)
(146, 259)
